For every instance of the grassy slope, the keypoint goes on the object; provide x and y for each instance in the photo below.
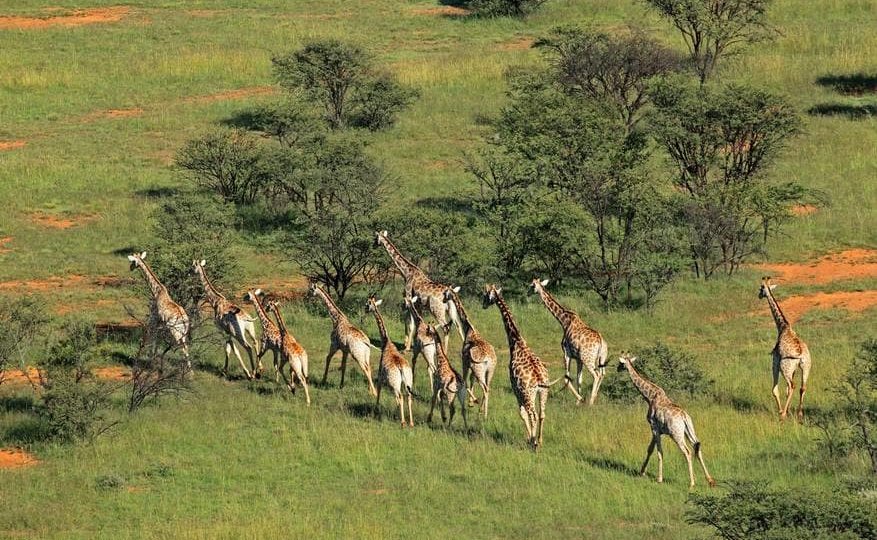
(266, 466)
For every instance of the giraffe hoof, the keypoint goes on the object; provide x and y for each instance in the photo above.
(711, 482)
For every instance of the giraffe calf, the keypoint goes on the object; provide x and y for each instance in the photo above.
(447, 384)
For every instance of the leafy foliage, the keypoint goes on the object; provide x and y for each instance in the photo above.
(20, 320)
(611, 68)
(749, 511)
(713, 29)
(504, 8)
(341, 79)
(674, 371)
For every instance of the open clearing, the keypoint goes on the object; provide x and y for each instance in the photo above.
(76, 18)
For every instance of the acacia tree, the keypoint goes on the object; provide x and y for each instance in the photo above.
(721, 141)
(715, 28)
(601, 66)
(342, 79)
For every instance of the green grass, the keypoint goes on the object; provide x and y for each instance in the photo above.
(242, 459)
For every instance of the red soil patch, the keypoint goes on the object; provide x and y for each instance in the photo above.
(443, 10)
(12, 145)
(240, 93)
(3, 241)
(112, 373)
(124, 329)
(17, 376)
(13, 458)
(520, 44)
(42, 285)
(54, 221)
(856, 301)
(849, 264)
(77, 18)
(124, 113)
(804, 209)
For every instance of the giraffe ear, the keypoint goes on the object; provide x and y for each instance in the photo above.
(131, 258)
(203, 262)
(143, 255)
(414, 299)
(379, 301)
(258, 292)
(498, 290)
(544, 282)
(772, 287)
(384, 233)
(456, 289)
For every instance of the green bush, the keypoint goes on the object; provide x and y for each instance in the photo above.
(751, 512)
(504, 8)
(20, 319)
(74, 410)
(674, 371)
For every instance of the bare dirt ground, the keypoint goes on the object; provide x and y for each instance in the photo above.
(112, 373)
(12, 145)
(519, 44)
(854, 301)
(56, 221)
(14, 458)
(239, 93)
(3, 241)
(77, 18)
(804, 209)
(443, 10)
(849, 264)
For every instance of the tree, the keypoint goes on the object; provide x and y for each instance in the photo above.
(341, 79)
(229, 162)
(713, 29)
(721, 141)
(504, 8)
(20, 322)
(858, 400)
(601, 66)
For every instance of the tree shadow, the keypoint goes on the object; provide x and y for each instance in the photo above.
(850, 85)
(459, 4)
(447, 204)
(739, 404)
(158, 192)
(611, 465)
(127, 250)
(27, 431)
(362, 410)
(852, 112)
(250, 120)
(16, 404)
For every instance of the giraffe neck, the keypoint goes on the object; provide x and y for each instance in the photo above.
(560, 313)
(465, 324)
(511, 329)
(154, 284)
(647, 389)
(415, 314)
(406, 267)
(281, 324)
(385, 339)
(213, 296)
(778, 317)
(267, 323)
(334, 312)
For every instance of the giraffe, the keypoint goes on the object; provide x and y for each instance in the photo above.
(665, 418)
(163, 310)
(347, 338)
(424, 338)
(447, 384)
(417, 283)
(272, 339)
(292, 354)
(527, 373)
(579, 341)
(232, 321)
(479, 356)
(789, 353)
(394, 370)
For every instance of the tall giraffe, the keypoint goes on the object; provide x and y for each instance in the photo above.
(292, 354)
(347, 338)
(478, 355)
(394, 371)
(447, 384)
(232, 320)
(163, 310)
(527, 373)
(417, 283)
(424, 338)
(789, 353)
(665, 418)
(580, 341)
(272, 339)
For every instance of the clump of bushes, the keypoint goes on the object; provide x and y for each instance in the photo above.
(674, 371)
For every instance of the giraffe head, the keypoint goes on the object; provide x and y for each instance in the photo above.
(625, 360)
(312, 288)
(766, 287)
(253, 296)
(449, 292)
(136, 259)
(371, 305)
(491, 294)
(198, 266)
(380, 238)
(537, 285)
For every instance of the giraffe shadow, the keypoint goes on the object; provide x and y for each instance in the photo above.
(739, 404)
(612, 465)
(362, 410)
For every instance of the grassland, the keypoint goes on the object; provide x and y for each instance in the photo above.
(239, 459)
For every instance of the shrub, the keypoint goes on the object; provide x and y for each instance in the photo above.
(72, 410)
(20, 320)
(674, 371)
(504, 8)
(752, 512)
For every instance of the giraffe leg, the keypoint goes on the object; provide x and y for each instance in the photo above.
(486, 391)
(237, 354)
(365, 366)
(304, 382)
(660, 460)
(543, 395)
(525, 416)
(227, 351)
(651, 449)
(468, 375)
(790, 389)
(410, 413)
(442, 400)
(343, 367)
(452, 408)
(805, 374)
(776, 389)
(461, 397)
(378, 401)
(332, 350)
(596, 386)
(432, 406)
(401, 403)
(250, 347)
(410, 329)
(680, 442)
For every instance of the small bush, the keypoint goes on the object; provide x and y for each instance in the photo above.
(109, 481)
(504, 8)
(19, 321)
(74, 410)
(674, 371)
(753, 512)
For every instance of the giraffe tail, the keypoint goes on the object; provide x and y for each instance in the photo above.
(603, 359)
(557, 380)
(692, 436)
